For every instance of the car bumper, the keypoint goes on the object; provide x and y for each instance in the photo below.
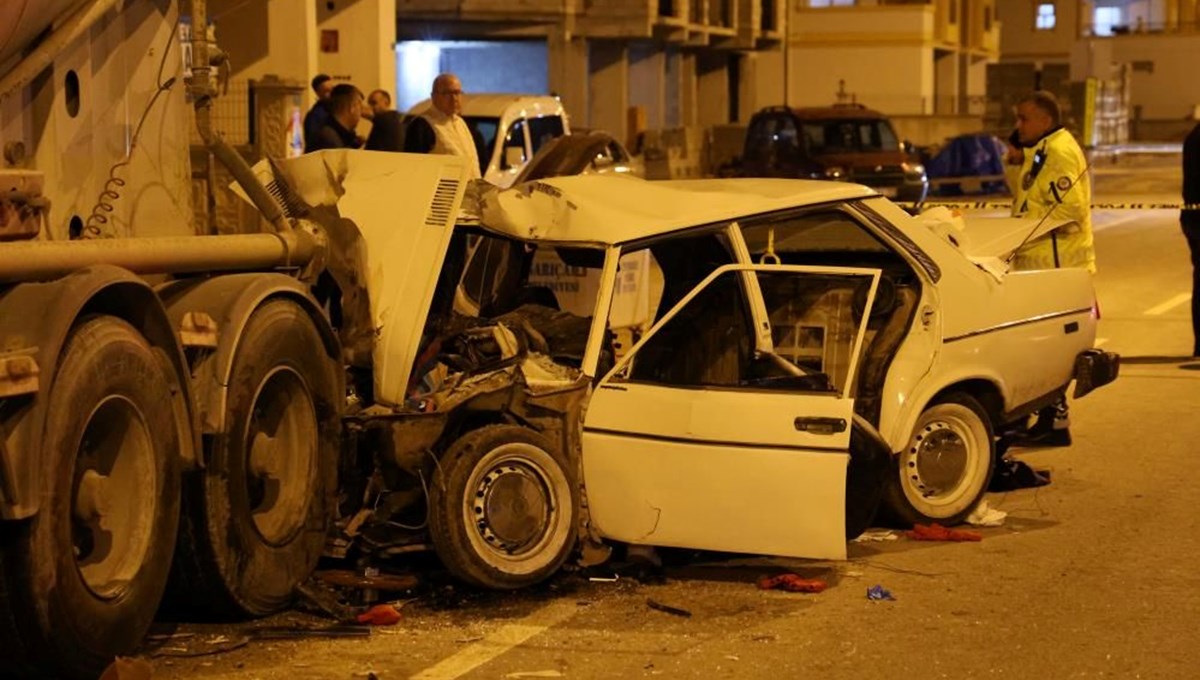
(1095, 368)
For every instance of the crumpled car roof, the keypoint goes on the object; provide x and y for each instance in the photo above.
(611, 209)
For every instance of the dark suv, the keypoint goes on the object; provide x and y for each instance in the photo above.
(847, 142)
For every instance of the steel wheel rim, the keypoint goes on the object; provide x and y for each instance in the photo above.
(511, 509)
(940, 460)
(281, 442)
(114, 499)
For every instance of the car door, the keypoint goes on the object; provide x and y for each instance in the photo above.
(727, 426)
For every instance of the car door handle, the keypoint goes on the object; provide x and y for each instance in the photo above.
(821, 425)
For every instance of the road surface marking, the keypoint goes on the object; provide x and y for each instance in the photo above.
(1169, 304)
(499, 642)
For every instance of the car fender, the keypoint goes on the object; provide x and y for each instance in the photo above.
(35, 320)
(982, 382)
(212, 312)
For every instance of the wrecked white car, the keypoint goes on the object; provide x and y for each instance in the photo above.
(734, 365)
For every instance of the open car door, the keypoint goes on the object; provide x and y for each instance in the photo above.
(727, 426)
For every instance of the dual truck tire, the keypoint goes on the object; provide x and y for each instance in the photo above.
(82, 580)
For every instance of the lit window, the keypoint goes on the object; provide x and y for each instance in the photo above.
(1044, 21)
(1104, 20)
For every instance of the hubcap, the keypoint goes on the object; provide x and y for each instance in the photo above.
(114, 502)
(937, 459)
(281, 451)
(513, 507)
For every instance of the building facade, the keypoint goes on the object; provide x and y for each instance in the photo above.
(1158, 41)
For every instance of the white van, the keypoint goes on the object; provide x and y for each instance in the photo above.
(513, 126)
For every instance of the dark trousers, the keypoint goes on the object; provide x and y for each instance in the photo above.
(1193, 239)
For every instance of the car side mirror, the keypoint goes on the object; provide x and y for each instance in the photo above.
(514, 156)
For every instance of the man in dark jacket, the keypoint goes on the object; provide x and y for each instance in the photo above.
(318, 115)
(1190, 220)
(345, 105)
(387, 130)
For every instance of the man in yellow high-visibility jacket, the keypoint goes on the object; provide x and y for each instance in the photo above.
(1047, 173)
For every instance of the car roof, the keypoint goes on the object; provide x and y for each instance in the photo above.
(836, 112)
(495, 105)
(612, 209)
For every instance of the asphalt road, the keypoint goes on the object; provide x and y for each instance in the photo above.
(1091, 576)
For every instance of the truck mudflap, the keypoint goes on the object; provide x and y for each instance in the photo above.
(1095, 368)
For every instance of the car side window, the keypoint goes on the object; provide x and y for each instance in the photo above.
(809, 238)
(772, 138)
(544, 129)
(513, 152)
(709, 343)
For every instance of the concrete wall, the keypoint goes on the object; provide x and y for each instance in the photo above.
(366, 32)
(904, 87)
(275, 36)
(1020, 42)
(1171, 90)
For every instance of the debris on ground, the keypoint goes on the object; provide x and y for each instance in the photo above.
(674, 611)
(792, 583)
(380, 615)
(1012, 474)
(874, 535)
(985, 515)
(937, 532)
(878, 592)
(317, 597)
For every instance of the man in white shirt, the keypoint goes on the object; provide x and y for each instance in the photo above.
(442, 128)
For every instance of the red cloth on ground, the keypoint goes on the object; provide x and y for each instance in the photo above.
(937, 532)
(380, 615)
(793, 583)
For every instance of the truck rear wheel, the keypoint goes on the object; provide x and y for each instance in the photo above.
(503, 508)
(254, 520)
(83, 578)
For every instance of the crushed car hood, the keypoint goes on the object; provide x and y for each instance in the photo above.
(389, 218)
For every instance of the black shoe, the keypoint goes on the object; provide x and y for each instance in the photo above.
(1047, 437)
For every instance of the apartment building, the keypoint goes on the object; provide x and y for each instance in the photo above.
(1158, 40)
(680, 62)
(904, 57)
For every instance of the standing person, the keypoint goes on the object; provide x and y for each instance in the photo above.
(345, 105)
(387, 130)
(442, 128)
(1047, 173)
(319, 114)
(1189, 219)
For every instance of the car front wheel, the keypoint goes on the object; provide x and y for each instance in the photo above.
(945, 468)
(503, 507)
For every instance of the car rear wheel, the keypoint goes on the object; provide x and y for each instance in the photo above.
(946, 466)
(503, 508)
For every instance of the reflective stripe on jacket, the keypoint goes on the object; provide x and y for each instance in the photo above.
(1053, 180)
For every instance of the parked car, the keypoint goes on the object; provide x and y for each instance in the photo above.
(581, 153)
(846, 142)
(808, 348)
(511, 129)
